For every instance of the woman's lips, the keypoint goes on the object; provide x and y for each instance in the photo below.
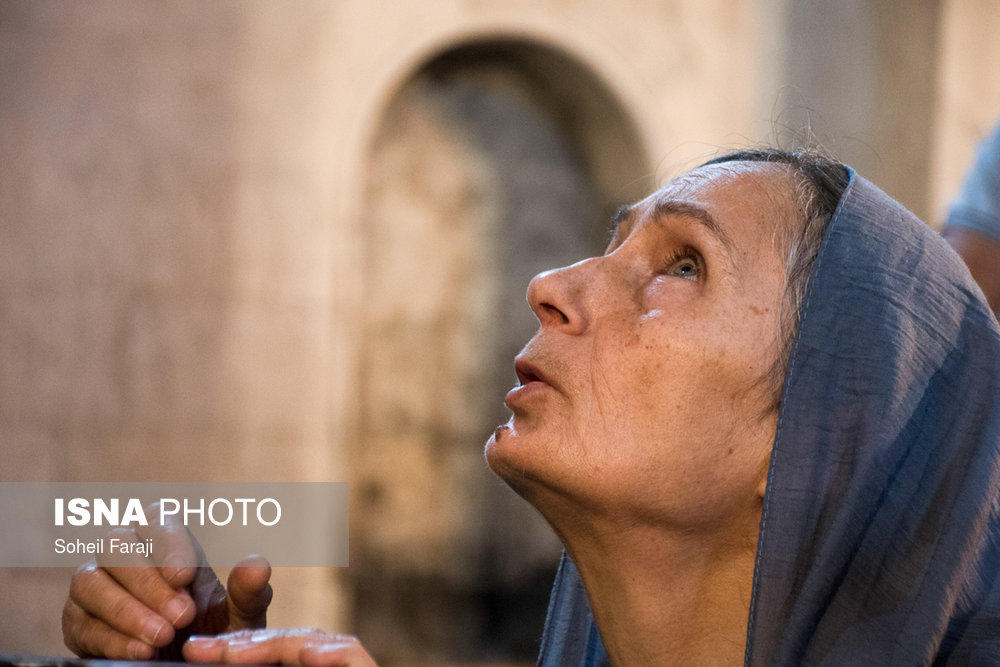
(527, 372)
(530, 381)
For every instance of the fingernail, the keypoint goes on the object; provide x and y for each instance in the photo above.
(175, 609)
(172, 567)
(238, 645)
(329, 647)
(202, 641)
(139, 651)
(153, 628)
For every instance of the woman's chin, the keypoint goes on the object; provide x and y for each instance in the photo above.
(495, 446)
(508, 455)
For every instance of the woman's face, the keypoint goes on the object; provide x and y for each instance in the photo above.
(640, 397)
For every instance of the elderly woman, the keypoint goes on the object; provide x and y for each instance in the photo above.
(765, 425)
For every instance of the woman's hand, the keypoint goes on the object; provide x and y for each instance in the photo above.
(138, 611)
(310, 647)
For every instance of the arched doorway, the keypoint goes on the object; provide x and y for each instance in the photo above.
(492, 162)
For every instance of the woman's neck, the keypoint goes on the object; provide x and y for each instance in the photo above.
(660, 598)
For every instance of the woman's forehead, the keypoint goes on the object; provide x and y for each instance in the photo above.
(731, 193)
(751, 179)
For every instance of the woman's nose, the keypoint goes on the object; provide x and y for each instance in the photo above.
(557, 297)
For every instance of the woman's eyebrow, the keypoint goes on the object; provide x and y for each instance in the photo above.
(624, 217)
(691, 211)
(621, 215)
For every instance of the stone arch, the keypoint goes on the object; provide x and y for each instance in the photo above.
(493, 160)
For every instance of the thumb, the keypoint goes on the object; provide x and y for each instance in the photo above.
(249, 593)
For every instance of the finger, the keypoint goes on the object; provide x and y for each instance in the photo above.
(203, 648)
(210, 599)
(249, 593)
(118, 549)
(174, 548)
(102, 597)
(335, 651)
(87, 637)
(251, 646)
(135, 575)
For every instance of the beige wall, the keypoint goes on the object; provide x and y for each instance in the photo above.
(860, 75)
(182, 188)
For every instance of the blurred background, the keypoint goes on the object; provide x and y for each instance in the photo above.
(270, 241)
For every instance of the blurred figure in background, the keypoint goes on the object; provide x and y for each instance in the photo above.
(973, 225)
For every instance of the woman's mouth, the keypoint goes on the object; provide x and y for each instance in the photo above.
(530, 381)
(526, 372)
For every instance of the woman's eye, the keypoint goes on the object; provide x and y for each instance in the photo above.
(685, 269)
(684, 266)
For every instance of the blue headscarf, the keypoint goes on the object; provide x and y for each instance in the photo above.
(879, 532)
